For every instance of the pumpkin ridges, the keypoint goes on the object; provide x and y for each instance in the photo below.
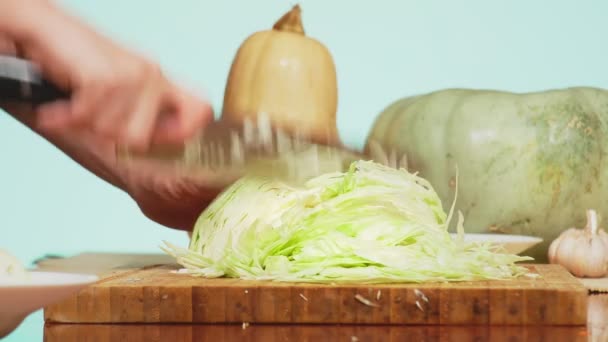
(502, 178)
(269, 48)
(258, 73)
(259, 38)
(288, 103)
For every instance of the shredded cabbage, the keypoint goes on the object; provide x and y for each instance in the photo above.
(370, 224)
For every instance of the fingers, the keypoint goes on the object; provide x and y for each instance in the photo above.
(76, 113)
(7, 46)
(187, 115)
(118, 95)
(134, 105)
(119, 102)
(54, 116)
(140, 126)
(90, 100)
(132, 113)
(110, 117)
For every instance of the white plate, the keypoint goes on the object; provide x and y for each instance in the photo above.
(19, 298)
(512, 244)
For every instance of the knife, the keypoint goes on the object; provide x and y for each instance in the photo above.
(21, 81)
(222, 152)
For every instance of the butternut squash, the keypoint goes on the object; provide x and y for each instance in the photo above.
(287, 76)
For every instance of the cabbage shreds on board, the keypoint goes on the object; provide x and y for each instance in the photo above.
(370, 224)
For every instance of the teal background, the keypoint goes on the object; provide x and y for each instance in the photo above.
(383, 50)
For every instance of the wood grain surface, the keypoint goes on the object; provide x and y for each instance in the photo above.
(307, 332)
(142, 292)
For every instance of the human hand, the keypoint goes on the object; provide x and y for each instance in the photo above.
(116, 93)
(106, 111)
(164, 196)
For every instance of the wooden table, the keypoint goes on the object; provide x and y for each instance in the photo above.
(596, 330)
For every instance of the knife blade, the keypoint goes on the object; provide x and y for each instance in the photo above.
(220, 153)
(227, 150)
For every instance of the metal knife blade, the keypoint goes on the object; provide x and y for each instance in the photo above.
(224, 151)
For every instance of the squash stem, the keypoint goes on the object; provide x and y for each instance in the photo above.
(592, 221)
(291, 21)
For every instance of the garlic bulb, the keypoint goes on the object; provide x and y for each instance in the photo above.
(583, 252)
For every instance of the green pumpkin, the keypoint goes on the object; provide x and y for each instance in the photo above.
(527, 163)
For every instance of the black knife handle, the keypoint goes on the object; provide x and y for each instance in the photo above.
(21, 81)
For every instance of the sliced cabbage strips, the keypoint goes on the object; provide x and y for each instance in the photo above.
(371, 224)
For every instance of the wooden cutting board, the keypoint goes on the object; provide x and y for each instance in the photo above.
(311, 333)
(141, 289)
